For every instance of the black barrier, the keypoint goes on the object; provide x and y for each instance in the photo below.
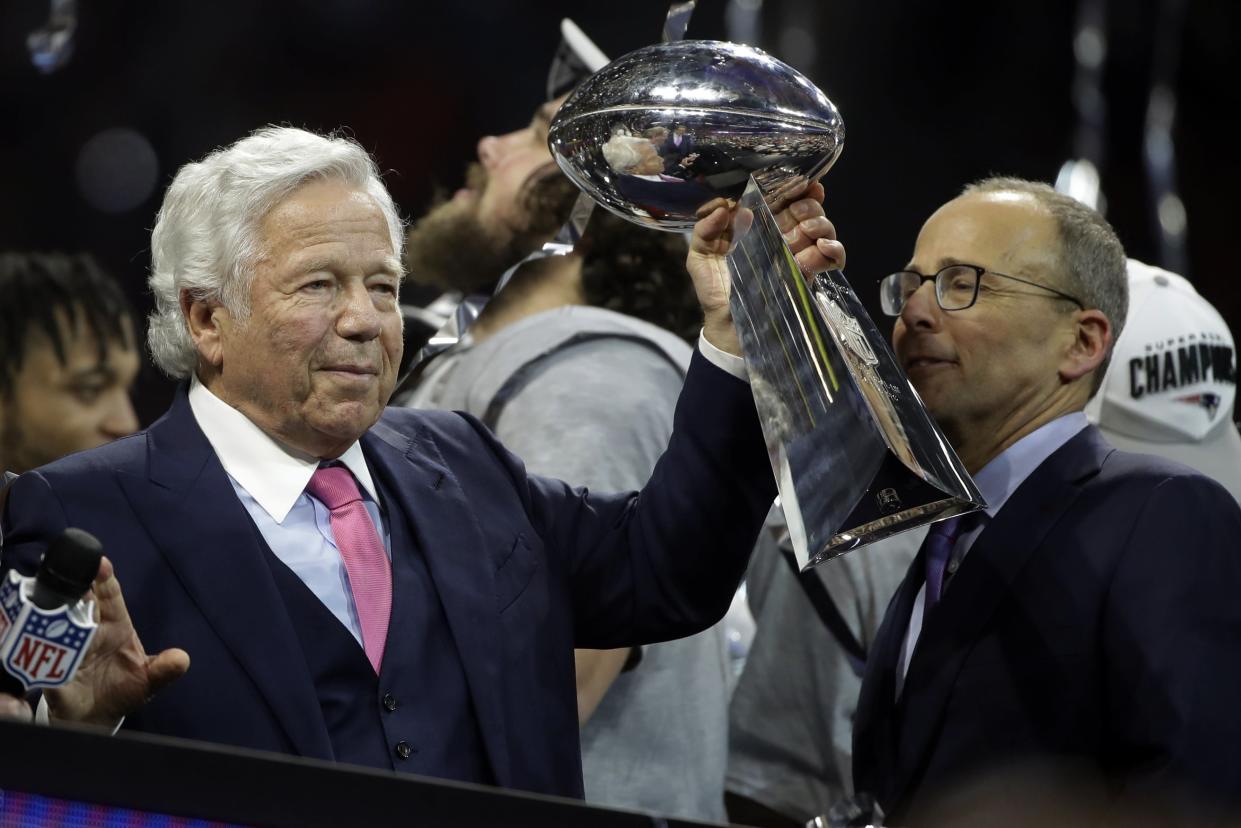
(167, 777)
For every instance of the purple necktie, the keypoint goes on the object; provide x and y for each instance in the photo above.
(939, 543)
(366, 562)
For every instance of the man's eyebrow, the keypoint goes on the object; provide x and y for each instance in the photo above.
(392, 266)
(388, 264)
(313, 264)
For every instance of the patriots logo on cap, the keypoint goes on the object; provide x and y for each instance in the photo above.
(1205, 400)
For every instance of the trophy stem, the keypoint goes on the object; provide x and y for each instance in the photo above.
(855, 455)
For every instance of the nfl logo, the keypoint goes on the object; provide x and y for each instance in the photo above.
(42, 648)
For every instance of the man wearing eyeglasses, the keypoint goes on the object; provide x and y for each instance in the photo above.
(1077, 641)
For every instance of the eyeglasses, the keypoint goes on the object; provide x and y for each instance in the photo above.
(956, 287)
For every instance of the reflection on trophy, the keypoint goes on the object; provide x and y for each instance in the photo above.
(660, 132)
(657, 133)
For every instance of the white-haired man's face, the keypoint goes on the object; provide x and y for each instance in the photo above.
(314, 363)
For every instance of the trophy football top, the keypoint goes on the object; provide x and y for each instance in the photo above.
(663, 130)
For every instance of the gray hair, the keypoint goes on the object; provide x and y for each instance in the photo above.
(206, 238)
(1091, 256)
(625, 152)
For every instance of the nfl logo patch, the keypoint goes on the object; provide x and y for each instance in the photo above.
(42, 648)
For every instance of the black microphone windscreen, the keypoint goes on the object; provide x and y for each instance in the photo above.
(70, 564)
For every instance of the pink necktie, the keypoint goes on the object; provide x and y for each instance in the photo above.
(366, 562)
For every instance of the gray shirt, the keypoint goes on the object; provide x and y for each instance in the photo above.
(791, 721)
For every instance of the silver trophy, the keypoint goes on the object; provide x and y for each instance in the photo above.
(659, 133)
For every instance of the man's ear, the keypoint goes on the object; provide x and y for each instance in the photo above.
(207, 321)
(1092, 339)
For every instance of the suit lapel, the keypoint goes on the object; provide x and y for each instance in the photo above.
(190, 510)
(449, 536)
(980, 587)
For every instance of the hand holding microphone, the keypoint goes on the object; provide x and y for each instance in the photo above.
(85, 655)
(116, 676)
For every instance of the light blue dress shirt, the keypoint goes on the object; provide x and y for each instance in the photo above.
(305, 544)
(270, 481)
(997, 481)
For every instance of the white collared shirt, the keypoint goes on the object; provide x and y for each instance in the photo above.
(273, 474)
(997, 481)
(723, 360)
(270, 481)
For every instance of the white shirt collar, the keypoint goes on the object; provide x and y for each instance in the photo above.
(273, 474)
(1000, 478)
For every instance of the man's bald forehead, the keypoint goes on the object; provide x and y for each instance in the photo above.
(1021, 232)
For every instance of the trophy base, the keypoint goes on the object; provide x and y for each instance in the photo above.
(891, 525)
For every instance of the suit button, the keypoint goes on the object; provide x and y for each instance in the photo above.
(403, 750)
(389, 702)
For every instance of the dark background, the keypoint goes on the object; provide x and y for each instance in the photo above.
(933, 94)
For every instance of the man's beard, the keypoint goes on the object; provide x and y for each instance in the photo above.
(449, 247)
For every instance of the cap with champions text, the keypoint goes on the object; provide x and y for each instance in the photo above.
(1172, 384)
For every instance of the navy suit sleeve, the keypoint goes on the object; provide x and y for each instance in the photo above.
(1171, 631)
(664, 562)
(32, 516)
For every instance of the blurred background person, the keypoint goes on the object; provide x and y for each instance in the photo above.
(576, 365)
(67, 363)
(68, 358)
(1171, 389)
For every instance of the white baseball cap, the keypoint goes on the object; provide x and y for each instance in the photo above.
(577, 57)
(1172, 385)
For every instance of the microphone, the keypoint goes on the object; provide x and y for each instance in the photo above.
(45, 626)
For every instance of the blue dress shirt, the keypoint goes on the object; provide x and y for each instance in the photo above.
(305, 544)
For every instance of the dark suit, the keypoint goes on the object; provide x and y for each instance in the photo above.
(672, 153)
(1095, 622)
(525, 569)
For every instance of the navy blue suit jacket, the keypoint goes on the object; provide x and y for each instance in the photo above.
(1095, 622)
(526, 568)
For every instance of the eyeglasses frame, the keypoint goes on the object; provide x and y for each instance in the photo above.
(978, 274)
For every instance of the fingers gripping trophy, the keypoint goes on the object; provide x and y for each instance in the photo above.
(666, 134)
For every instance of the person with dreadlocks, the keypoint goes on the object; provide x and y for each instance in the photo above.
(67, 358)
(67, 362)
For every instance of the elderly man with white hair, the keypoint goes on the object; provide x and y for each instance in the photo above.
(383, 587)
